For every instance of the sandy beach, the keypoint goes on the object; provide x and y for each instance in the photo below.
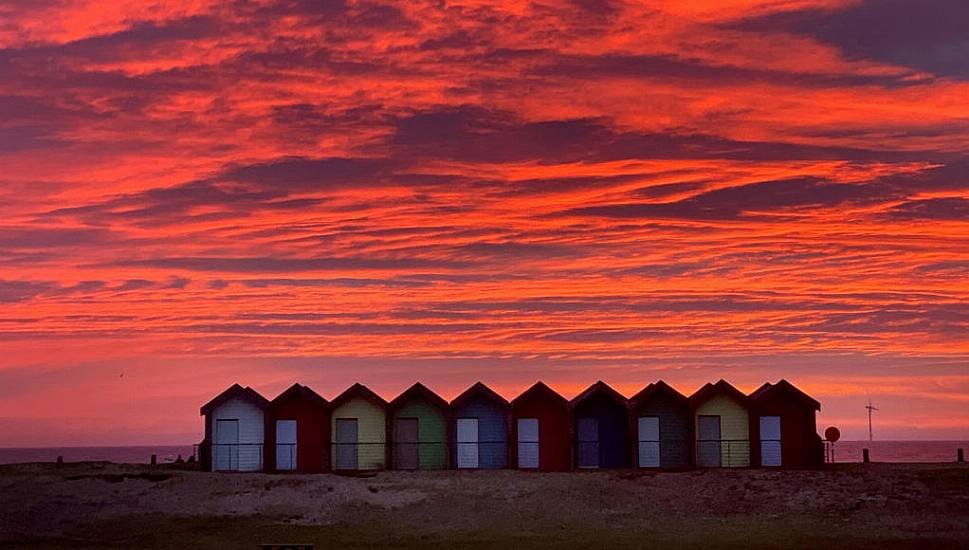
(101, 505)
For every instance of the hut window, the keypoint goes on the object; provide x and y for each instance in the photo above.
(467, 443)
(528, 443)
(708, 441)
(649, 442)
(407, 443)
(588, 442)
(346, 443)
(226, 444)
(770, 441)
(285, 444)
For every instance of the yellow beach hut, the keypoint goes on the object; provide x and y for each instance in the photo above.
(722, 426)
(359, 430)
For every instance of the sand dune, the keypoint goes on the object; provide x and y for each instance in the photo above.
(95, 505)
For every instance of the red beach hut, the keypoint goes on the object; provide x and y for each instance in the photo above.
(298, 432)
(540, 431)
(783, 427)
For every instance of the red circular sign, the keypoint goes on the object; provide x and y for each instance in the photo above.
(832, 434)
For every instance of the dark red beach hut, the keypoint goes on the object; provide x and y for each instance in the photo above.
(540, 431)
(661, 427)
(783, 427)
(601, 423)
(298, 432)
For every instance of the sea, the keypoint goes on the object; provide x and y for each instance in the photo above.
(127, 455)
(844, 451)
(900, 451)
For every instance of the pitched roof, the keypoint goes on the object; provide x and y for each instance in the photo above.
(722, 387)
(235, 391)
(600, 387)
(769, 390)
(655, 389)
(360, 391)
(760, 391)
(540, 388)
(302, 392)
(419, 390)
(479, 389)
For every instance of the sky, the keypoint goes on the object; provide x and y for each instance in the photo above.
(196, 193)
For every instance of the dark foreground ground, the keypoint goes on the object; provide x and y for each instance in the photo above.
(97, 505)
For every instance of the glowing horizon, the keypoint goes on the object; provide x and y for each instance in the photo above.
(199, 193)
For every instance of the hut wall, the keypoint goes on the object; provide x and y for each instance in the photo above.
(492, 432)
(554, 445)
(371, 432)
(734, 430)
(676, 439)
(431, 432)
(247, 454)
(800, 443)
(312, 434)
(613, 420)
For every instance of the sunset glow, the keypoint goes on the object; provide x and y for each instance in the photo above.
(197, 193)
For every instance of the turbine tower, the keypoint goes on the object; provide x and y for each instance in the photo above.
(870, 409)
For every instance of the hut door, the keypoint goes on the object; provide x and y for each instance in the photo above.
(588, 443)
(226, 444)
(528, 443)
(407, 444)
(346, 443)
(285, 444)
(467, 443)
(770, 441)
(708, 441)
(649, 442)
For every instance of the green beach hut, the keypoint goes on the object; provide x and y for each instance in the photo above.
(418, 430)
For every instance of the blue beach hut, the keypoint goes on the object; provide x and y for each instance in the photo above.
(601, 417)
(480, 420)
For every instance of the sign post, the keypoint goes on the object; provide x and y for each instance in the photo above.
(831, 436)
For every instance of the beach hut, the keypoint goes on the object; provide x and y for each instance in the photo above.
(235, 424)
(721, 426)
(479, 429)
(783, 427)
(418, 430)
(358, 424)
(661, 425)
(601, 417)
(298, 432)
(540, 430)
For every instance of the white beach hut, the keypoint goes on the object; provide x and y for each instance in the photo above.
(235, 424)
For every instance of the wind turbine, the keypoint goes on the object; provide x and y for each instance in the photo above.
(870, 408)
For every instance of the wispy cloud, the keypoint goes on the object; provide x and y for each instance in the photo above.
(205, 192)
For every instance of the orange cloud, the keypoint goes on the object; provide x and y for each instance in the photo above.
(196, 194)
